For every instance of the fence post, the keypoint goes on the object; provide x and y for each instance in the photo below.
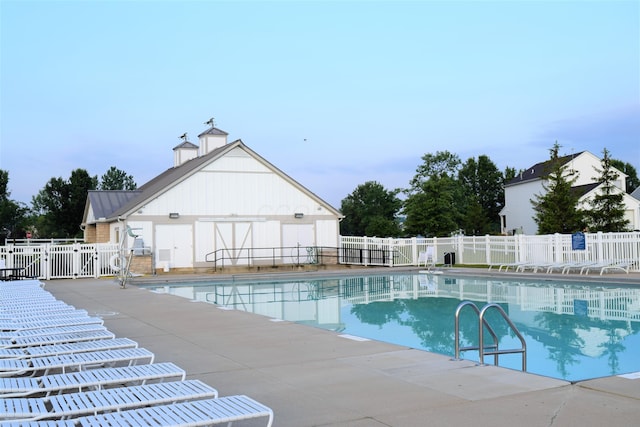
(365, 252)
(97, 267)
(76, 263)
(487, 248)
(46, 263)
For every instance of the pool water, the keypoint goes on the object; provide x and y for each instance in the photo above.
(573, 331)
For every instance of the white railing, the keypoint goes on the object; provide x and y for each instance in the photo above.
(75, 260)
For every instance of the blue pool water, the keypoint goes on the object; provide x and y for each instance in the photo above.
(574, 331)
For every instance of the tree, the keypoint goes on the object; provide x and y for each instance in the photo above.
(13, 215)
(632, 180)
(60, 204)
(557, 210)
(435, 201)
(116, 179)
(482, 185)
(370, 210)
(607, 211)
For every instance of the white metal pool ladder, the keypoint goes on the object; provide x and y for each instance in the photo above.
(488, 350)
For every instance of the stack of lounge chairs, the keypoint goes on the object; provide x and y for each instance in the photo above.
(61, 367)
(582, 267)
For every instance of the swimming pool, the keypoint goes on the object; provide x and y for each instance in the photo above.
(574, 331)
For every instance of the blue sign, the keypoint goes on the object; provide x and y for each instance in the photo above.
(578, 241)
(580, 307)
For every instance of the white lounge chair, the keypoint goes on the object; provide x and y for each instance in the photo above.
(46, 323)
(66, 348)
(91, 379)
(195, 413)
(39, 315)
(72, 405)
(34, 307)
(507, 265)
(58, 338)
(606, 266)
(41, 423)
(14, 335)
(73, 362)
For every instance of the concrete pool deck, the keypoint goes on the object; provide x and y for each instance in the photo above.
(313, 377)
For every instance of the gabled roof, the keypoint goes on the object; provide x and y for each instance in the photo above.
(636, 193)
(177, 174)
(539, 170)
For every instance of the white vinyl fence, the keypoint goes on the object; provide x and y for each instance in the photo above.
(75, 260)
(64, 261)
(492, 250)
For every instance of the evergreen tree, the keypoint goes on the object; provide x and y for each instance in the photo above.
(370, 210)
(607, 211)
(116, 179)
(557, 210)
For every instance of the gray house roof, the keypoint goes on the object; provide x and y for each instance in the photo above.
(539, 170)
(130, 201)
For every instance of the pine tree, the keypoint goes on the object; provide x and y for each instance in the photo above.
(607, 211)
(557, 210)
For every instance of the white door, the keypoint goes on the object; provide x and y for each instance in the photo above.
(233, 243)
(174, 245)
(297, 240)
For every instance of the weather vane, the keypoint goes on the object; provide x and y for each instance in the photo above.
(184, 137)
(210, 122)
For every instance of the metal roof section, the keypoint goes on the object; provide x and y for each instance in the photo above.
(105, 202)
(213, 131)
(186, 144)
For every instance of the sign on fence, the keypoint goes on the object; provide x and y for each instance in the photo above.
(578, 241)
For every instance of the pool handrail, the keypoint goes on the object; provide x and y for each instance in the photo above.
(459, 349)
(496, 352)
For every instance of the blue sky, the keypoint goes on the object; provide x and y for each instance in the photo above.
(333, 93)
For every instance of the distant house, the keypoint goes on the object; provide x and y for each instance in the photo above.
(518, 214)
(219, 201)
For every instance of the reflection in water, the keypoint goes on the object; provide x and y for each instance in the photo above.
(573, 331)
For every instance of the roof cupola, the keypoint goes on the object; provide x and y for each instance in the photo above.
(212, 138)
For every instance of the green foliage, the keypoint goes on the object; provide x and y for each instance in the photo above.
(607, 211)
(557, 210)
(482, 186)
(435, 210)
(632, 182)
(116, 179)
(433, 204)
(14, 219)
(447, 196)
(370, 210)
(60, 204)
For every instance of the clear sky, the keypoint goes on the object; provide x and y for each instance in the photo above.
(334, 93)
